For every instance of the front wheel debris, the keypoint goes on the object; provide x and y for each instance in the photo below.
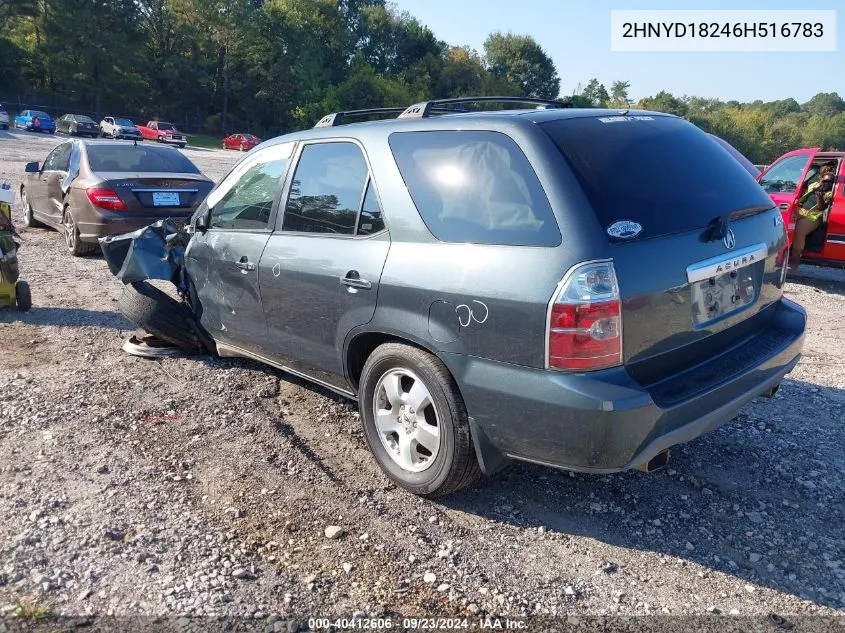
(162, 316)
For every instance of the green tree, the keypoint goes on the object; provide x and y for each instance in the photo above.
(619, 94)
(520, 60)
(595, 93)
(664, 102)
(825, 104)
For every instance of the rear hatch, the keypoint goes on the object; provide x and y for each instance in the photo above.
(698, 247)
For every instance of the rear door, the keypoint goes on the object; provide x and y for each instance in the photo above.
(697, 246)
(223, 261)
(782, 180)
(321, 269)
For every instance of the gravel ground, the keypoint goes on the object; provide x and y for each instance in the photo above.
(217, 487)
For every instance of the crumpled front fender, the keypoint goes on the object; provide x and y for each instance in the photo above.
(156, 251)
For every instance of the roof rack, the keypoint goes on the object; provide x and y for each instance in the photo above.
(427, 108)
(435, 106)
(337, 118)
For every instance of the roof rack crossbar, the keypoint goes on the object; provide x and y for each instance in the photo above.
(427, 108)
(338, 118)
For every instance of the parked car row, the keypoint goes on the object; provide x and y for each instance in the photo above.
(116, 128)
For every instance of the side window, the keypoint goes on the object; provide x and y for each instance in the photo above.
(475, 187)
(327, 188)
(371, 220)
(58, 159)
(244, 200)
(784, 176)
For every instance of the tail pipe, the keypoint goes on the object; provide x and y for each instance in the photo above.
(655, 463)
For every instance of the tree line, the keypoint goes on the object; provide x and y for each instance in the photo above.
(273, 66)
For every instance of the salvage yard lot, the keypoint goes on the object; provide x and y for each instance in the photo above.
(204, 486)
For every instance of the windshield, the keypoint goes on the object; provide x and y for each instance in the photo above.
(37, 114)
(166, 126)
(125, 122)
(140, 158)
(658, 171)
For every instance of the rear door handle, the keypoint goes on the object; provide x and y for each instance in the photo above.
(353, 280)
(244, 264)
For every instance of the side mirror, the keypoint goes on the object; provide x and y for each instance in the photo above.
(202, 220)
(32, 168)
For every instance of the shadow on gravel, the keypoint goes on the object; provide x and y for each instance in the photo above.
(72, 317)
(760, 499)
(829, 280)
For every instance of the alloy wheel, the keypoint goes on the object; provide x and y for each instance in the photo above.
(406, 420)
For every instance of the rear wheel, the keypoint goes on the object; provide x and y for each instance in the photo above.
(415, 421)
(23, 296)
(74, 243)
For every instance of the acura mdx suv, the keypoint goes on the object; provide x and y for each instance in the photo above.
(578, 288)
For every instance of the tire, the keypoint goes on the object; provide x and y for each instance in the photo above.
(159, 314)
(452, 464)
(54, 131)
(23, 296)
(29, 220)
(182, 145)
(75, 245)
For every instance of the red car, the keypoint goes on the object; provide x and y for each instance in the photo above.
(787, 178)
(162, 132)
(242, 142)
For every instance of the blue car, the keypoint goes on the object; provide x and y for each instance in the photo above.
(35, 121)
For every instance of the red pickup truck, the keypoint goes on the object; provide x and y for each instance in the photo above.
(162, 132)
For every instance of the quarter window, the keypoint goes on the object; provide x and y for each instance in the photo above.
(784, 177)
(327, 189)
(476, 187)
(244, 200)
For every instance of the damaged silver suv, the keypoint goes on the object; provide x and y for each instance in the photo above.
(576, 288)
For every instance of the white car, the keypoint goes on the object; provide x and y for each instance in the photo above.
(116, 127)
(4, 118)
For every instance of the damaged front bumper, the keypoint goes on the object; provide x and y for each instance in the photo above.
(156, 251)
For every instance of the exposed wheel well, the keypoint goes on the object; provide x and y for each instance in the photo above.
(363, 345)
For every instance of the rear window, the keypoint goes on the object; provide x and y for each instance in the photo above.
(661, 172)
(137, 158)
(38, 114)
(123, 122)
(165, 126)
(476, 187)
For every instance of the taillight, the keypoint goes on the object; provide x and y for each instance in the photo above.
(585, 320)
(35, 121)
(105, 199)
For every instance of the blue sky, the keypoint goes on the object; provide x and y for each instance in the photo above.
(576, 34)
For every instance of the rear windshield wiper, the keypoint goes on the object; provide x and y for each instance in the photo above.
(717, 228)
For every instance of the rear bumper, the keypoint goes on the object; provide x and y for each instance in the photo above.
(115, 224)
(607, 422)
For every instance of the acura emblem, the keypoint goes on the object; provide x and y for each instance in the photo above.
(730, 239)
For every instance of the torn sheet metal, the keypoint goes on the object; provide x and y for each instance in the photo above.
(156, 251)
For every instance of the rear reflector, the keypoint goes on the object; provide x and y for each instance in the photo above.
(105, 199)
(585, 320)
